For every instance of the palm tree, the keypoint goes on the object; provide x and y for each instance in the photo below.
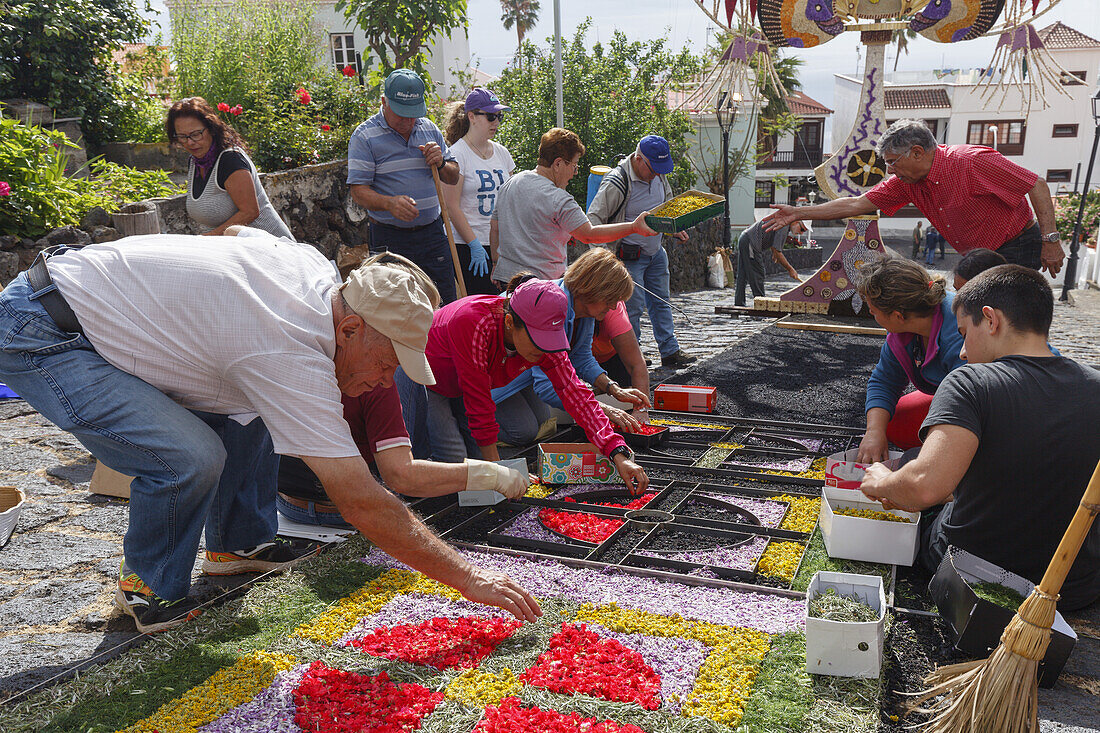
(901, 39)
(523, 14)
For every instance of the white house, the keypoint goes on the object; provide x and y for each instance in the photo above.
(344, 40)
(786, 174)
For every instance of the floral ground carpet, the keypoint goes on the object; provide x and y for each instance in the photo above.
(353, 641)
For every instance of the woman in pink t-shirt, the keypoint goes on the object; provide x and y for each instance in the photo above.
(485, 341)
(617, 350)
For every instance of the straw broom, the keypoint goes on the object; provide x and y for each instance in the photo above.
(999, 694)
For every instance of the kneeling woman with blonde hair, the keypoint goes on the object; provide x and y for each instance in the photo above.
(593, 285)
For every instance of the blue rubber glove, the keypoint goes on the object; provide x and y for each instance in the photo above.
(479, 258)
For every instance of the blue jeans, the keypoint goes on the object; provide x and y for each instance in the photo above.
(414, 411)
(427, 247)
(191, 469)
(652, 272)
(520, 417)
(310, 515)
(448, 429)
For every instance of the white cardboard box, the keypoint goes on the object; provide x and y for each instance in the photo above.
(870, 540)
(846, 649)
(844, 472)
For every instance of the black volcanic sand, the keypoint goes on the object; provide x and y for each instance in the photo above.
(675, 541)
(800, 376)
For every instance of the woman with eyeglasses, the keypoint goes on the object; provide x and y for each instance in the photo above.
(535, 217)
(484, 166)
(223, 187)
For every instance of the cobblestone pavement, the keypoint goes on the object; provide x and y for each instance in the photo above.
(57, 574)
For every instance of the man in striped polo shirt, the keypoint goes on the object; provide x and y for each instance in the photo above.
(390, 161)
(973, 196)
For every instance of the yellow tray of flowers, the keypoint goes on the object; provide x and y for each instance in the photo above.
(685, 211)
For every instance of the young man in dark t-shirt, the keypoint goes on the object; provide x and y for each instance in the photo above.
(1012, 435)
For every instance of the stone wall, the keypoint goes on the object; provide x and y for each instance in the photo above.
(314, 200)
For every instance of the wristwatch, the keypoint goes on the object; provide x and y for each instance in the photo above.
(1052, 237)
(622, 449)
(611, 384)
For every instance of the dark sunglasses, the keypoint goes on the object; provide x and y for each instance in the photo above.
(491, 116)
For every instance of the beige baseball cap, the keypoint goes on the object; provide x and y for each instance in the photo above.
(393, 303)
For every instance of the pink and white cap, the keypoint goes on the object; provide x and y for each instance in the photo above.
(542, 306)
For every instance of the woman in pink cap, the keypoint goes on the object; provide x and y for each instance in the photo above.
(484, 166)
(485, 341)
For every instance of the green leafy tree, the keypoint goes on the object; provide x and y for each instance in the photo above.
(399, 32)
(523, 14)
(58, 52)
(615, 94)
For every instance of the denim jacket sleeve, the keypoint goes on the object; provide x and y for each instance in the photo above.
(888, 380)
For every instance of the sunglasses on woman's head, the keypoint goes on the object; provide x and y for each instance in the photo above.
(491, 116)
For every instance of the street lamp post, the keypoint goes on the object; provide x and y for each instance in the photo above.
(726, 113)
(993, 129)
(1075, 243)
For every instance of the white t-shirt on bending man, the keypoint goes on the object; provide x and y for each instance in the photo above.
(233, 326)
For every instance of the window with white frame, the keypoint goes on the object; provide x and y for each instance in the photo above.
(343, 50)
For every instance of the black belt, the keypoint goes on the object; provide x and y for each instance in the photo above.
(46, 293)
(404, 229)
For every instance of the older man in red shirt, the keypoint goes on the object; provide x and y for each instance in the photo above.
(973, 195)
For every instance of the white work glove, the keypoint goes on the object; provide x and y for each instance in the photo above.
(482, 475)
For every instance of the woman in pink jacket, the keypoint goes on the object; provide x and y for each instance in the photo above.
(485, 341)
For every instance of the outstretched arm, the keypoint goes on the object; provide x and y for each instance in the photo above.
(836, 209)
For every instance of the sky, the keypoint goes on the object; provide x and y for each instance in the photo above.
(683, 23)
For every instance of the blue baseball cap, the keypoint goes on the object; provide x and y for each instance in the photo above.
(656, 150)
(404, 91)
(482, 100)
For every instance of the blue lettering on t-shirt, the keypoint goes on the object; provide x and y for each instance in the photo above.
(487, 182)
(486, 202)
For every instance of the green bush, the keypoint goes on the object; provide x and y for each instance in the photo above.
(614, 96)
(57, 52)
(1065, 210)
(258, 55)
(39, 195)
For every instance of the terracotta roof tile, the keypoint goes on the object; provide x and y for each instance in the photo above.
(801, 104)
(1060, 35)
(932, 98)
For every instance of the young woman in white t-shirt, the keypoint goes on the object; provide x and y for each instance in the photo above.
(484, 166)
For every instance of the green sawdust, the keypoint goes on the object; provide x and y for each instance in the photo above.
(781, 698)
(834, 606)
(651, 721)
(132, 687)
(998, 595)
(816, 558)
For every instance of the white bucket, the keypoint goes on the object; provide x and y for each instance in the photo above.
(11, 506)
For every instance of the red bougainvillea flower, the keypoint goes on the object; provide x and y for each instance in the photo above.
(579, 660)
(334, 701)
(326, 128)
(349, 70)
(509, 716)
(236, 110)
(303, 95)
(5, 188)
(442, 643)
(587, 527)
(223, 107)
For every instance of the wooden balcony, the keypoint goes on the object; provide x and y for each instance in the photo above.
(794, 159)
